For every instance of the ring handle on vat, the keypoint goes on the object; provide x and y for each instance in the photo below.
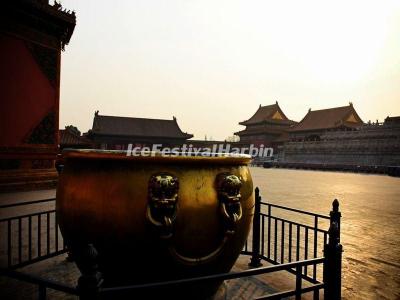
(228, 188)
(161, 210)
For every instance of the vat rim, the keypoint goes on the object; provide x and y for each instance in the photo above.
(218, 158)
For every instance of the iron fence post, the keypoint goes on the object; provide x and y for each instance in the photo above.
(42, 292)
(91, 279)
(255, 261)
(333, 256)
(298, 282)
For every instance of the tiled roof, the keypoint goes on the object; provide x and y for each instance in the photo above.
(392, 120)
(267, 113)
(67, 138)
(329, 118)
(137, 127)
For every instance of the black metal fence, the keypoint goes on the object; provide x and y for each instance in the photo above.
(29, 238)
(297, 291)
(282, 239)
(94, 292)
(280, 236)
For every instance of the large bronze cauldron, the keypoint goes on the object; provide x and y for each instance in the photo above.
(155, 218)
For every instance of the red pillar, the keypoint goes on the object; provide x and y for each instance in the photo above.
(32, 36)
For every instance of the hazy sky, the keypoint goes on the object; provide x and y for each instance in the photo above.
(212, 63)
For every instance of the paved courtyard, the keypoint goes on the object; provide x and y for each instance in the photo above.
(60, 270)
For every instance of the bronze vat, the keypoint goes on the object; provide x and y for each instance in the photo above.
(155, 218)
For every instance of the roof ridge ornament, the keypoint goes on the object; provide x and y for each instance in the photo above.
(57, 5)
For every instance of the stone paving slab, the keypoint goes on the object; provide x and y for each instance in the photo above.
(60, 270)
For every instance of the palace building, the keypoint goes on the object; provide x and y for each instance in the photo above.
(112, 132)
(71, 137)
(265, 126)
(338, 136)
(317, 122)
(32, 35)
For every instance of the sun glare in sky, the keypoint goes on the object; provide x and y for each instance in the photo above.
(212, 63)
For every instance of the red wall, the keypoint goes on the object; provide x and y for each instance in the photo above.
(26, 94)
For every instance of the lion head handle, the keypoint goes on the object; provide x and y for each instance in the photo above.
(163, 196)
(228, 189)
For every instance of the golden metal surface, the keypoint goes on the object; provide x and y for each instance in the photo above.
(103, 198)
(161, 208)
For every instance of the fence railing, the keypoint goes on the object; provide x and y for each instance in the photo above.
(30, 237)
(90, 293)
(297, 291)
(304, 249)
(42, 283)
(280, 240)
(272, 235)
